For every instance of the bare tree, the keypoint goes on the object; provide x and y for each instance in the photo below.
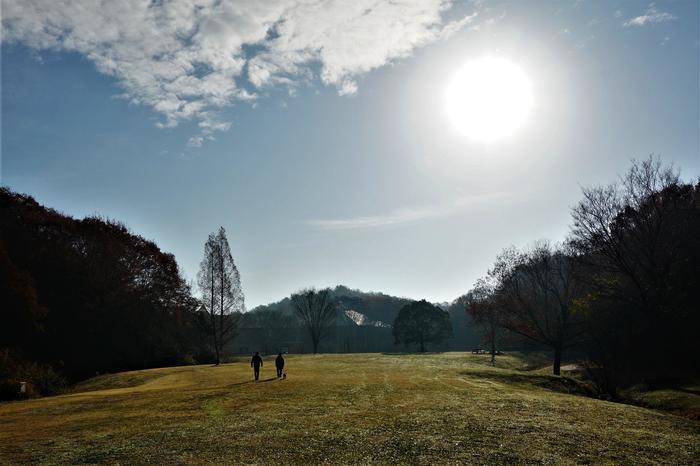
(222, 296)
(638, 240)
(535, 293)
(480, 304)
(317, 312)
(626, 228)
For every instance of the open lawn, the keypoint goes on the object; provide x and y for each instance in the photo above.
(434, 408)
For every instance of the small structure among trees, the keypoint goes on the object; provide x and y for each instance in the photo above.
(422, 323)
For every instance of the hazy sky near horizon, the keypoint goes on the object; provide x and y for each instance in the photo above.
(316, 133)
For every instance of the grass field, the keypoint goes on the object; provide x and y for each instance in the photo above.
(359, 408)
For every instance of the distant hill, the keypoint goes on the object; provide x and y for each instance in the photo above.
(376, 309)
(359, 307)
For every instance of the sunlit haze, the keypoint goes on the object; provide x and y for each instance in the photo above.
(387, 146)
(489, 98)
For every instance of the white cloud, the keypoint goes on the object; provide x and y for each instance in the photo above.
(406, 215)
(188, 59)
(455, 26)
(195, 141)
(650, 16)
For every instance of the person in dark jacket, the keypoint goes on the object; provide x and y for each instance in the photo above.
(256, 363)
(279, 364)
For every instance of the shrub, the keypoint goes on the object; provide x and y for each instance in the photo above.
(189, 360)
(41, 379)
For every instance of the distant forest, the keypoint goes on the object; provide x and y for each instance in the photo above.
(621, 296)
(363, 324)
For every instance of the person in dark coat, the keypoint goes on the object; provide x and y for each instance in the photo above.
(279, 364)
(256, 363)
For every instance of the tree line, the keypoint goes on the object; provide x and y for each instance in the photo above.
(621, 293)
(86, 296)
(279, 325)
(317, 316)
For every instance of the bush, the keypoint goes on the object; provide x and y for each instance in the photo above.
(9, 390)
(41, 379)
(45, 379)
(189, 360)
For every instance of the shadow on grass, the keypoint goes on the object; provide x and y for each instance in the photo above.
(118, 380)
(691, 391)
(247, 382)
(534, 360)
(547, 382)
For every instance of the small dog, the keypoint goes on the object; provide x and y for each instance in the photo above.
(284, 375)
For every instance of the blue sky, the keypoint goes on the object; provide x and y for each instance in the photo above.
(317, 134)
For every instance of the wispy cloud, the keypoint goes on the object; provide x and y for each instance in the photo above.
(651, 16)
(188, 59)
(406, 215)
(195, 141)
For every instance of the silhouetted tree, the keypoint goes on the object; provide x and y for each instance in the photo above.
(638, 241)
(480, 304)
(107, 299)
(220, 285)
(21, 315)
(630, 225)
(317, 312)
(466, 333)
(422, 323)
(534, 294)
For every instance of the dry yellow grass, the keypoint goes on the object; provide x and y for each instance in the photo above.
(359, 408)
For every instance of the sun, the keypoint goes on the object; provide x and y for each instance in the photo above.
(489, 99)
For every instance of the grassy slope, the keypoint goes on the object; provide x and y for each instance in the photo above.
(684, 401)
(341, 408)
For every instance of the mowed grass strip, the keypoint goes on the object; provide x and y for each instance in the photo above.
(355, 408)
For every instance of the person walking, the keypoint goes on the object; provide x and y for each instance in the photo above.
(256, 363)
(279, 364)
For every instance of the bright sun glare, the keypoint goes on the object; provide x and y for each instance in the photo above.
(488, 99)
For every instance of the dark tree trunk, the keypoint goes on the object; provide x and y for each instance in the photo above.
(493, 346)
(212, 314)
(221, 314)
(557, 361)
